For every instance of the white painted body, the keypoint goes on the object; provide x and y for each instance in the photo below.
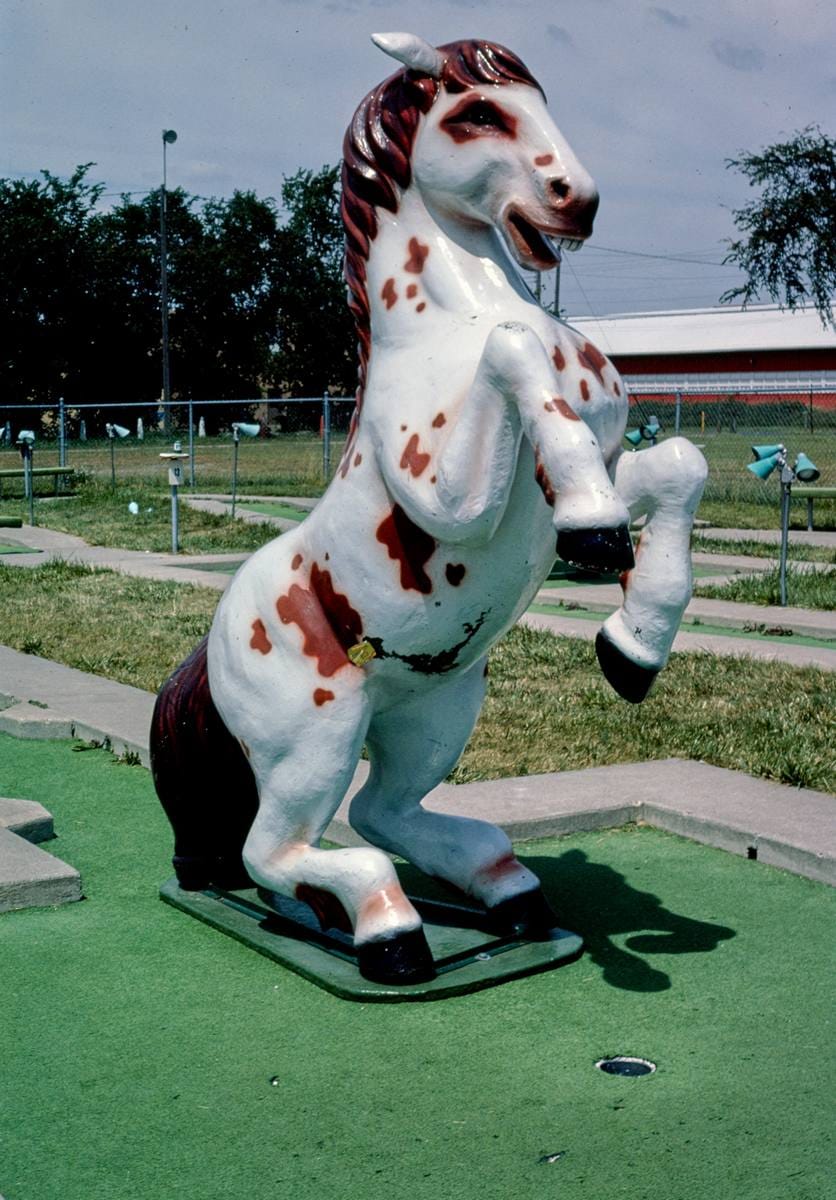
(480, 353)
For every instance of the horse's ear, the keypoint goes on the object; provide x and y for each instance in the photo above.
(411, 50)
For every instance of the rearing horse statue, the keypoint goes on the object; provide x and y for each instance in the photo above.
(484, 428)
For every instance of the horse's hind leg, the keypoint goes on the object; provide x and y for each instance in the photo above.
(664, 483)
(413, 747)
(298, 795)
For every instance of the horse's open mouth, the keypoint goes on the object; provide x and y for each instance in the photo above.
(535, 248)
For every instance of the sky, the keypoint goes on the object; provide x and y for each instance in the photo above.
(652, 97)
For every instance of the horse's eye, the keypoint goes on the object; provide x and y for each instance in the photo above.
(479, 115)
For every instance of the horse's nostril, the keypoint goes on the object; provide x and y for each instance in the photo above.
(560, 188)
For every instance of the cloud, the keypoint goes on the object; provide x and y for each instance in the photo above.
(669, 18)
(559, 34)
(739, 58)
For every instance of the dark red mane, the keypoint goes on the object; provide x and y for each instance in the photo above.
(377, 153)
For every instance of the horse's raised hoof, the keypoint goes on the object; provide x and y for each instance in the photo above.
(631, 681)
(528, 915)
(398, 960)
(604, 550)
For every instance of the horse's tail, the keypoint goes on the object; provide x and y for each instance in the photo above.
(203, 780)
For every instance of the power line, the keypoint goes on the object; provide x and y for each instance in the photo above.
(667, 257)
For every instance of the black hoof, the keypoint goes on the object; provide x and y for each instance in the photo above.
(528, 915)
(604, 550)
(196, 873)
(403, 959)
(631, 681)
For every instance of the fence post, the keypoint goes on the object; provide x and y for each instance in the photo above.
(326, 437)
(677, 416)
(191, 443)
(62, 433)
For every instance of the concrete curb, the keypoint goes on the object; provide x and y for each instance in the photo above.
(29, 876)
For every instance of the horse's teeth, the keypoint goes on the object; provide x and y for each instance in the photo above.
(570, 243)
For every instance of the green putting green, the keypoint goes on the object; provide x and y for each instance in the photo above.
(6, 548)
(271, 508)
(692, 625)
(146, 1056)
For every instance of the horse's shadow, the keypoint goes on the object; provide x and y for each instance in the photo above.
(597, 902)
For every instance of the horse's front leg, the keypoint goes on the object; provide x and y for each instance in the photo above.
(458, 491)
(665, 483)
(590, 517)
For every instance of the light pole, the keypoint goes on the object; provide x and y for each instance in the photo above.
(169, 136)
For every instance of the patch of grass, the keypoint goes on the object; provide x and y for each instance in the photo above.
(99, 514)
(798, 551)
(124, 628)
(550, 709)
(735, 512)
(806, 588)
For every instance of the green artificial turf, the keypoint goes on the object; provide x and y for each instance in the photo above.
(5, 548)
(146, 1057)
(272, 508)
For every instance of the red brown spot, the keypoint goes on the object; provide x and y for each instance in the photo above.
(543, 481)
(593, 360)
(389, 295)
(558, 404)
(433, 478)
(296, 562)
(329, 910)
(455, 573)
(558, 358)
(543, 160)
(412, 291)
(624, 579)
(438, 420)
(584, 390)
(358, 458)
(417, 256)
(322, 696)
(413, 458)
(420, 307)
(507, 865)
(260, 641)
(410, 546)
(403, 429)
(328, 623)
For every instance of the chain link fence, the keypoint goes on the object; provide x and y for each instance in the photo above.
(300, 440)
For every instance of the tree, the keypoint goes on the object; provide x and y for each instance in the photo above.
(46, 271)
(316, 344)
(788, 248)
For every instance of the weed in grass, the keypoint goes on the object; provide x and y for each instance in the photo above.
(806, 588)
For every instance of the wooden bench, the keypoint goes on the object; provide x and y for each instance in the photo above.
(37, 473)
(811, 494)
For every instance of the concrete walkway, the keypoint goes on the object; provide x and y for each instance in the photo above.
(786, 827)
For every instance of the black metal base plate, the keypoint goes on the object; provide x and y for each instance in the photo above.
(466, 957)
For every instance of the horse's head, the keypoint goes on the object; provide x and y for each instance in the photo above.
(487, 152)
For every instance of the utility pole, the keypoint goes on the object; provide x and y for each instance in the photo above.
(169, 136)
